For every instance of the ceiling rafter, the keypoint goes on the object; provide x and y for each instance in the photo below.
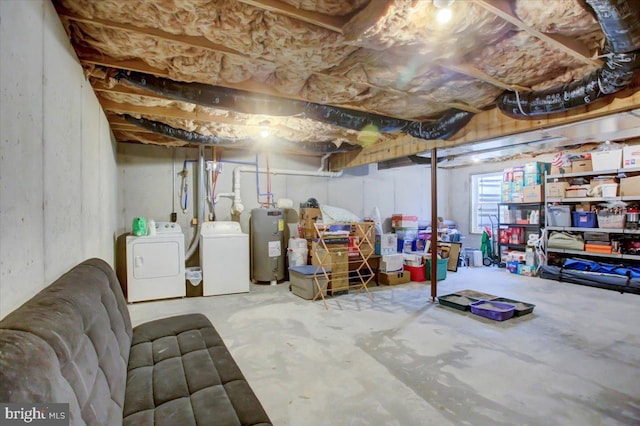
(329, 22)
(201, 42)
(187, 40)
(502, 9)
(480, 75)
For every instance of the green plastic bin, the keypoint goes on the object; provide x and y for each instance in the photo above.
(441, 272)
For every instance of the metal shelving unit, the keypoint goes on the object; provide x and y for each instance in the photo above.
(622, 258)
(527, 228)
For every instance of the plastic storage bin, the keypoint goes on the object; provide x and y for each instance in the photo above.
(441, 270)
(584, 219)
(303, 280)
(496, 311)
(609, 220)
(559, 215)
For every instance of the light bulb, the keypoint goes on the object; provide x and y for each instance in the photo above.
(444, 15)
(264, 133)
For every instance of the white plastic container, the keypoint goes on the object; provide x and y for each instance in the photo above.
(606, 160)
(609, 190)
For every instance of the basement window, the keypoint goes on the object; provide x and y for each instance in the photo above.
(485, 196)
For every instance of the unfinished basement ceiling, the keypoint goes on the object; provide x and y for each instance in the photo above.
(374, 78)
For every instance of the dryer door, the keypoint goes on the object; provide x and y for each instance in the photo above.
(156, 259)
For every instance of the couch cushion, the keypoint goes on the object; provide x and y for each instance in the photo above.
(180, 372)
(81, 326)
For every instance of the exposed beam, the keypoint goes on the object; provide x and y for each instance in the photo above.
(185, 40)
(470, 71)
(365, 19)
(486, 125)
(332, 23)
(203, 43)
(502, 8)
(94, 58)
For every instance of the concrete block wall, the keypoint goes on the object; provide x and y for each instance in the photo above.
(58, 180)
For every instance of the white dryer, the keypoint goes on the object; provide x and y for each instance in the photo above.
(155, 264)
(224, 258)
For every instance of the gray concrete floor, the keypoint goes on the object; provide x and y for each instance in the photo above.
(401, 360)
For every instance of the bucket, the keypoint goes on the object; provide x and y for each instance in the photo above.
(297, 243)
(476, 259)
(193, 276)
(297, 257)
(609, 190)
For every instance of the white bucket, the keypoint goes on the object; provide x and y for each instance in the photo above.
(609, 190)
(297, 243)
(297, 257)
(477, 258)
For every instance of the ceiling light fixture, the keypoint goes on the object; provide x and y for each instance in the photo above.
(264, 129)
(444, 13)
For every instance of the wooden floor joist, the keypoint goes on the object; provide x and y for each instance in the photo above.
(486, 125)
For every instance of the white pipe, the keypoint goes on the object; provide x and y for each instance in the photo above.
(323, 162)
(238, 207)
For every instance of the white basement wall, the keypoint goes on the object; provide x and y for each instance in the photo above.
(57, 163)
(146, 187)
(458, 183)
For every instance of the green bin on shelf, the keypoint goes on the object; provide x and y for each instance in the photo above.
(441, 271)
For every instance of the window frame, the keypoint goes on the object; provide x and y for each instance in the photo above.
(475, 203)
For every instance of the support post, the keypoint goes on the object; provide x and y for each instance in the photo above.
(434, 224)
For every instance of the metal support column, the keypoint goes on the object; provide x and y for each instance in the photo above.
(434, 224)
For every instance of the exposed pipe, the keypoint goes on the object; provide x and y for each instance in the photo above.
(238, 207)
(248, 103)
(620, 22)
(210, 140)
(200, 204)
(323, 162)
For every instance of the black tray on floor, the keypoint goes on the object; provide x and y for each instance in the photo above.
(456, 301)
(522, 308)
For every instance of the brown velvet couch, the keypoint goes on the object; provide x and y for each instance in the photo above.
(73, 343)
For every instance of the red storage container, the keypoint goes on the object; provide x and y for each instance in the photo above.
(417, 273)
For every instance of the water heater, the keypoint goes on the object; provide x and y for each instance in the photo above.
(267, 245)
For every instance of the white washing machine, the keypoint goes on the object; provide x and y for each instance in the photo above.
(224, 258)
(155, 264)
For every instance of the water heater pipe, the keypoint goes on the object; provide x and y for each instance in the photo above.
(200, 203)
(238, 207)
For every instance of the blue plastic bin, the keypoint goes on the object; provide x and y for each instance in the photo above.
(584, 220)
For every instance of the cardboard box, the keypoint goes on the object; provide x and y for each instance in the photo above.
(516, 197)
(581, 166)
(394, 278)
(555, 170)
(386, 244)
(631, 156)
(531, 179)
(630, 186)
(391, 262)
(403, 221)
(533, 194)
(518, 175)
(556, 189)
(606, 160)
(308, 217)
(537, 167)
